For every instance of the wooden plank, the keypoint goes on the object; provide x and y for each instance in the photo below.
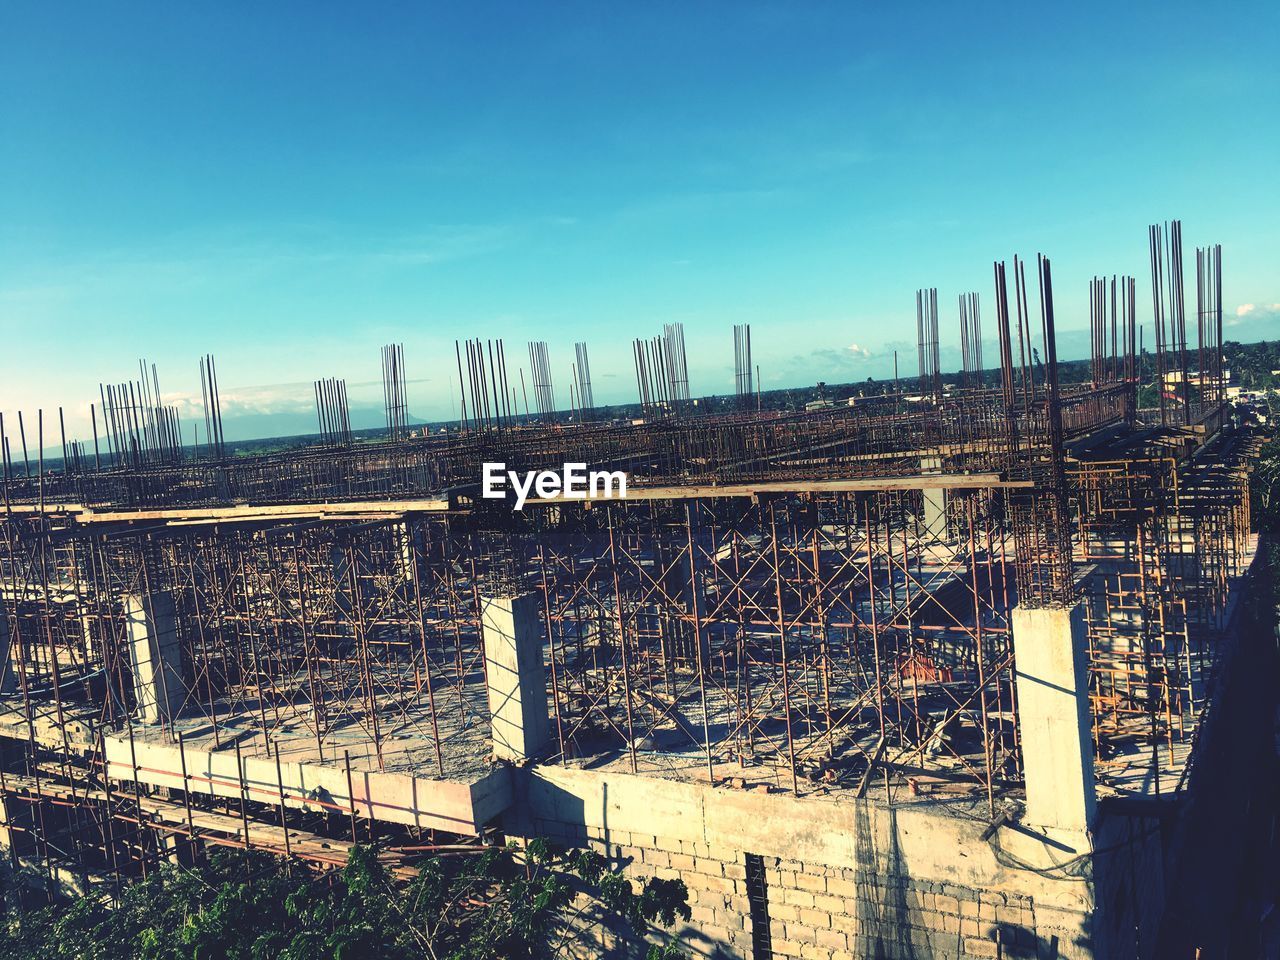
(969, 481)
(636, 490)
(360, 510)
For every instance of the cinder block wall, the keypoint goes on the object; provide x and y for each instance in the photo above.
(842, 879)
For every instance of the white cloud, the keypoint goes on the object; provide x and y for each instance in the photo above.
(276, 398)
(858, 350)
(1257, 317)
(247, 401)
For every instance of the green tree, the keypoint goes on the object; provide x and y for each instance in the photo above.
(496, 904)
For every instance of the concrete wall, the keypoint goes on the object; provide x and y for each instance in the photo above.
(1130, 880)
(845, 878)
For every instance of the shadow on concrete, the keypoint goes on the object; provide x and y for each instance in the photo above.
(884, 916)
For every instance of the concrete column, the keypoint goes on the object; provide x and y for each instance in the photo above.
(87, 620)
(10, 835)
(7, 833)
(155, 655)
(935, 502)
(512, 627)
(1051, 658)
(168, 842)
(8, 669)
(409, 539)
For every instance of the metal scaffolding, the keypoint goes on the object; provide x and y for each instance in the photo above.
(819, 601)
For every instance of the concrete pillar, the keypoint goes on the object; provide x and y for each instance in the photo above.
(935, 502)
(1051, 658)
(168, 842)
(11, 835)
(88, 619)
(512, 627)
(342, 578)
(8, 669)
(409, 540)
(155, 656)
(7, 832)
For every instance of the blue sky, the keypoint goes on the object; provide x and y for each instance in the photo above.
(291, 185)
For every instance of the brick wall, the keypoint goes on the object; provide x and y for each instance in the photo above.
(842, 880)
(822, 912)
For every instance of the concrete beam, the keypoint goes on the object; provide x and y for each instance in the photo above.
(462, 807)
(353, 510)
(1052, 676)
(517, 679)
(636, 489)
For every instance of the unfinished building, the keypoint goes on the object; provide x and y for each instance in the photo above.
(915, 677)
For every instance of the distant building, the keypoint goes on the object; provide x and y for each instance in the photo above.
(1194, 377)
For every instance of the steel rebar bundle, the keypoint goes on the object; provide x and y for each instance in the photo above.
(394, 397)
(970, 340)
(743, 371)
(927, 342)
(540, 369)
(332, 413)
(582, 378)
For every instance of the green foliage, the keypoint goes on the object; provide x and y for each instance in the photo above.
(1149, 397)
(1264, 490)
(1264, 485)
(1251, 363)
(498, 904)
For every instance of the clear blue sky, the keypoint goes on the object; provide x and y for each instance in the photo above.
(290, 185)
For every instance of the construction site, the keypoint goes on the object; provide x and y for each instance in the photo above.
(945, 672)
